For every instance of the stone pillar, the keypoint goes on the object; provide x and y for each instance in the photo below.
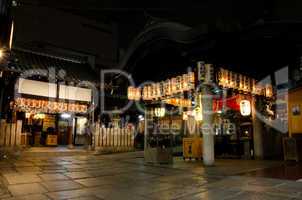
(257, 132)
(207, 128)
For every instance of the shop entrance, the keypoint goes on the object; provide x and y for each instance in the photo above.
(79, 131)
(54, 129)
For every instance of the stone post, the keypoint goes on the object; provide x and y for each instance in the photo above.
(207, 128)
(257, 132)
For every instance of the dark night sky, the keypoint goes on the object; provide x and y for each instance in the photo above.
(235, 26)
(131, 15)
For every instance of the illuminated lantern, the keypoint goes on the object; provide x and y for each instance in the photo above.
(154, 91)
(245, 108)
(209, 73)
(198, 114)
(145, 93)
(233, 81)
(268, 91)
(185, 116)
(246, 84)
(198, 110)
(27, 115)
(241, 82)
(130, 93)
(158, 90)
(162, 89)
(173, 85)
(225, 78)
(254, 91)
(237, 85)
(149, 92)
(191, 78)
(138, 94)
(220, 77)
(168, 88)
(159, 112)
(185, 83)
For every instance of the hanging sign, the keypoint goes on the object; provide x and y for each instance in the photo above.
(36, 88)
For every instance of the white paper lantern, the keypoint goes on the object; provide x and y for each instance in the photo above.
(245, 108)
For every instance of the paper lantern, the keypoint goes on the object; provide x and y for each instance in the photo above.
(159, 112)
(245, 108)
(209, 73)
(198, 114)
(27, 115)
(268, 91)
(185, 116)
(191, 78)
(173, 85)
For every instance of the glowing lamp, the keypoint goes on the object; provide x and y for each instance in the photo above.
(245, 108)
(185, 116)
(27, 115)
(66, 115)
(39, 116)
(159, 112)
(197, 113)
(1, 53)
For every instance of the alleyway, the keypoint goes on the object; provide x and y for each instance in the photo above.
(124, 176)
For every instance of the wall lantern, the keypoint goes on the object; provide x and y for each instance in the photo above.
(159, 112)
(245, 108)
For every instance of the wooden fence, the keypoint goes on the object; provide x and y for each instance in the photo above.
(10, 134)
(114, 139)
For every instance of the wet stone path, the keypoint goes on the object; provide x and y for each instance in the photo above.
(125, 176)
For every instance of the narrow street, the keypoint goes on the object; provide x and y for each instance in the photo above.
(125, 176)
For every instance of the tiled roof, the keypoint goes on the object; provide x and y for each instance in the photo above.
(23, 60)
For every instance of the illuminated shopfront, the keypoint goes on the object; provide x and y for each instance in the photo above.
(52, 114)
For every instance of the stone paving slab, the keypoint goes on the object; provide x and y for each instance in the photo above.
(78, 175)
(26, 189)
(29, 197)
(18, 178)
(53, 177)
(61, 185)
(125, 176)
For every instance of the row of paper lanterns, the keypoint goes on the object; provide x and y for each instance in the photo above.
(179, 102)
(172, 86)
(45, 106)
(229, 79)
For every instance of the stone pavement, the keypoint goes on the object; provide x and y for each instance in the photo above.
(125, 176)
